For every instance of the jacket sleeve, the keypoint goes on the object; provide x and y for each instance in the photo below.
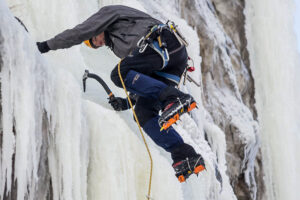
(93, 26)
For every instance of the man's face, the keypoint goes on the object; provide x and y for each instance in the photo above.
(99, 40)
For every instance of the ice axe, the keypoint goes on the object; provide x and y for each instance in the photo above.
(86, 75)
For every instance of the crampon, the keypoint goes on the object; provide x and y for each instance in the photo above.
(185, 168)
(174, 110)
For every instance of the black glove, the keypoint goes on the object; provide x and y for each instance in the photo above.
(119, 103)
(43, 47)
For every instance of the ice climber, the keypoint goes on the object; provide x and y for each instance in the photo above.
(155, 57)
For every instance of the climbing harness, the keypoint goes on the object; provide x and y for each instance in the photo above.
(156, 41)
(170, 77)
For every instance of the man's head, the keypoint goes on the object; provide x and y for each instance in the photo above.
(96, 41)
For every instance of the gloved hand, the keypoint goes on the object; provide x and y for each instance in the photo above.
(119, 103)
(43, 47)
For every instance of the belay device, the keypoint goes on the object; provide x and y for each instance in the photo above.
(86, 75)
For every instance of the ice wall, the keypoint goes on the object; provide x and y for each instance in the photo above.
(275, 64)
(44, 135)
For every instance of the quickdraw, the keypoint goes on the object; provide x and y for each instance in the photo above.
(189, 68)
(177, 33)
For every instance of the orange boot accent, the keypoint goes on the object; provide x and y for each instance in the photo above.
(181, 178)
(170, 122)
(175, 118)
(199, 169)
(192, 106)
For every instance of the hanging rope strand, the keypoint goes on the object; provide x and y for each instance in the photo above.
(137, 121)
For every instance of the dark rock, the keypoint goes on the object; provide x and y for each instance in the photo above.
(230, 20)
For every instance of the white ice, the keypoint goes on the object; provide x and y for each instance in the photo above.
(275, 65)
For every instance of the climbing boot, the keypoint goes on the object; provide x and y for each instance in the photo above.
(185, 168)
(174, 109)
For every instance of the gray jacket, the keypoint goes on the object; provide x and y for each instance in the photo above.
(123, 26)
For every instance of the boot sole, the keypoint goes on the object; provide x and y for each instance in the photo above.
(175, 118)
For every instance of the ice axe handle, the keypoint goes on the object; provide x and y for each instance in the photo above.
(99, 80)
(111, 96)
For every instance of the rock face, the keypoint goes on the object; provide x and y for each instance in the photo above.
(226, 75)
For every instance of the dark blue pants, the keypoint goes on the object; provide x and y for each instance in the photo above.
(147, 112)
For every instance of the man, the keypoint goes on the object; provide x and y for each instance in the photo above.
(154, 60)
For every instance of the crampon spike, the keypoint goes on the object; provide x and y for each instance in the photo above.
(176, 117)
(199, 169)
(192, 106)
(181, 178)
(169, 123)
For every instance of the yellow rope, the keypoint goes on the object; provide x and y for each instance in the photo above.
(138, 123)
